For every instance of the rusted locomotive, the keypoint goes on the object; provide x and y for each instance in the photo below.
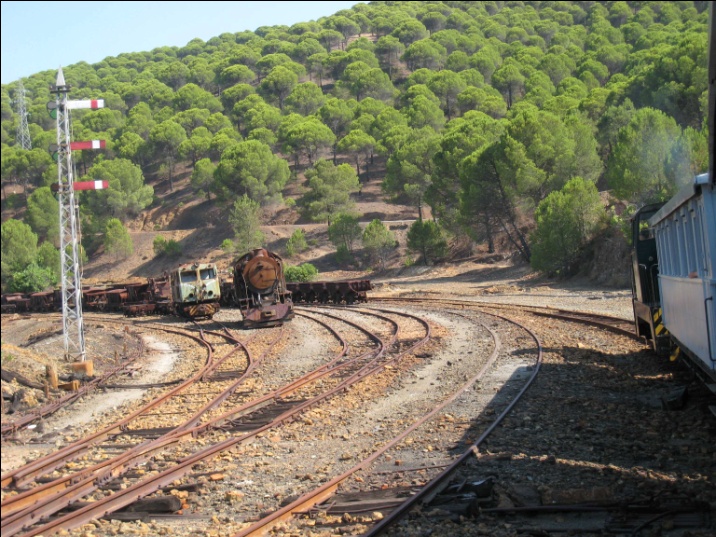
(196, 291)
(260, 289)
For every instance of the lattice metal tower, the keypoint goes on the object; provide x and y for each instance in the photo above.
(73, 324)
(23, 132)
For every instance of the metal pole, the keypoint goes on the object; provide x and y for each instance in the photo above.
(73, 324)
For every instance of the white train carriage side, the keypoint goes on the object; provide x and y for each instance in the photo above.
(685, 232)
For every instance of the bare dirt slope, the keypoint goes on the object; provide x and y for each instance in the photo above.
(200, 225)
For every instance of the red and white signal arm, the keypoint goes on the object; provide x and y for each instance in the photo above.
(91, 144)
(90, 185)
(83, 185)
(90, 104)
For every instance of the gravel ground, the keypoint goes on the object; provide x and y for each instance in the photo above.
(591, 427)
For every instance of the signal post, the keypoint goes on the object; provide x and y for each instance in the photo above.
(70, 269)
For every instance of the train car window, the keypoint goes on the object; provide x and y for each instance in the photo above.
(188, 276)
(208, 273)
(691, 241)
(645, 233)
(701, 259)
(681, 247)
(667, 261)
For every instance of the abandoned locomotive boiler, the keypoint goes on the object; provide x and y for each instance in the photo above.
(260, 289)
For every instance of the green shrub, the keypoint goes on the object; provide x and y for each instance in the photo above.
(344, 231)
(227, 245)
(159, 244)
(169, 247)
(426, 238)
(48, 257)
(33, 279)
(379, 242)
(344, 255)
(117, 241)
(565, 220)
(301, 273)
(297, 243)
(173, 248)
(622, 222)
(245, 218)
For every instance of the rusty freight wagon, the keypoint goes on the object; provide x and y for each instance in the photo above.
(340, 292)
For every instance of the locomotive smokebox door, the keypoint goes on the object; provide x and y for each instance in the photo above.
(261, 274)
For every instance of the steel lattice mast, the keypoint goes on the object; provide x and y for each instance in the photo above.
(23, 131)
(73, 324)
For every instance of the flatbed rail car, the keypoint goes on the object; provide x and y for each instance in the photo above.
(15, 303)
(94, 299)
(674, 275)
(131, 298)
(156, 299)
(42, 301)
(338, 292)
(114, 297)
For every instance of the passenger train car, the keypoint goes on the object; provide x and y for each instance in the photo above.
(674, 268)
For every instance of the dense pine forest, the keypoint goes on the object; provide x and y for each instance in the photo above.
(539, 125)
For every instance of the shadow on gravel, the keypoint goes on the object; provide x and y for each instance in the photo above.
(599, 430)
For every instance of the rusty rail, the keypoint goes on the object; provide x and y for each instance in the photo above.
(44, 502)
(181, 468)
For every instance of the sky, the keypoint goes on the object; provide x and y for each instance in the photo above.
(37, 36)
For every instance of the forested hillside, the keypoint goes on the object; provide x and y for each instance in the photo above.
(537, 125)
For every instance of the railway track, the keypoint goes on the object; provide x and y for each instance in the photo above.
(614, 324)
(455, 490)
(352, 499)
(103, 381)
(18, 517)
(11, 426)
(413, 391)
(86, 464)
